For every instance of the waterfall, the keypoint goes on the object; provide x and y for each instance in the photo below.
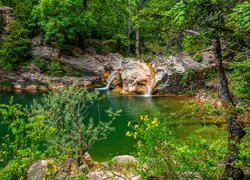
(149, 88)
(108, 81)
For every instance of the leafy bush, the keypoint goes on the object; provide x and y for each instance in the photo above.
(40, 63)
(161, 155)
(154, 138)
(66, 112)
(55, 127)
(240, 84)
(54, 68)
(16, 48)
(21, 144)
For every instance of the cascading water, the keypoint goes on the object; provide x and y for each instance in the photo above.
(149, 88)
(108, 81)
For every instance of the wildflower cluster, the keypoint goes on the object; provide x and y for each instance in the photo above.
(153, 139)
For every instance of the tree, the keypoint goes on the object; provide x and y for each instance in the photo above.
(210, 19)
(16, 48)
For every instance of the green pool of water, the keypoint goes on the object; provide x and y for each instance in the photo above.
(132, 107)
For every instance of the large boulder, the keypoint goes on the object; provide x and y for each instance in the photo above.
(169, 71)
(135, 76)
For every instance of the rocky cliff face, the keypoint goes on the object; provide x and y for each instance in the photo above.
(132, 76)
(6, 16)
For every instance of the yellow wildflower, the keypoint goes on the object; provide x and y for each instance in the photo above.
(154, 121)
(54, 166)
(141, 117)
(146, 118)
(128, 133)
(129, 123)
(51, 162)
(135, 135)
(139, 143)
(139, 154)
(136, 126)
(47, 171)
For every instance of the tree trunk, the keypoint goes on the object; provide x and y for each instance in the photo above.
(140, 5)
(137, 42)
(235, 128)
(129, 25)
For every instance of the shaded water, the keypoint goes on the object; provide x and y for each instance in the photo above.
(132, 107)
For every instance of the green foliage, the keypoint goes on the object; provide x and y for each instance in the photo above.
(55, 127)
(16, 48)
(66, 112)
(6, 83)
(187, 76)
(40, 63)
(198, 57)
(240, 18)
(203, 153)
(240, 74)
(21, 145)
(63, 20)
(54, 68)
(154, 138)
(191, 44)
(244, 151)
(161, 155)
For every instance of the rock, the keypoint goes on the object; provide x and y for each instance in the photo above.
(113, 61)
(6, 16)
(67, 165)
(105, 175)
(37, 171)
(36, 41)
(207, 58)
(136, 177)
(169, 71)
(41, 50)
(85, 63)
(17, 87)
(45, 52)
(124, 159)
(42, 88)
(86, 159)
(135, 76)
(31, 88)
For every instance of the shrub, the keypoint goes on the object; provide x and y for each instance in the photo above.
(54, 68)
(40, 63)
(160, 154)
(154, 138)
(66, 112)
(16, 48)
(55, 127)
